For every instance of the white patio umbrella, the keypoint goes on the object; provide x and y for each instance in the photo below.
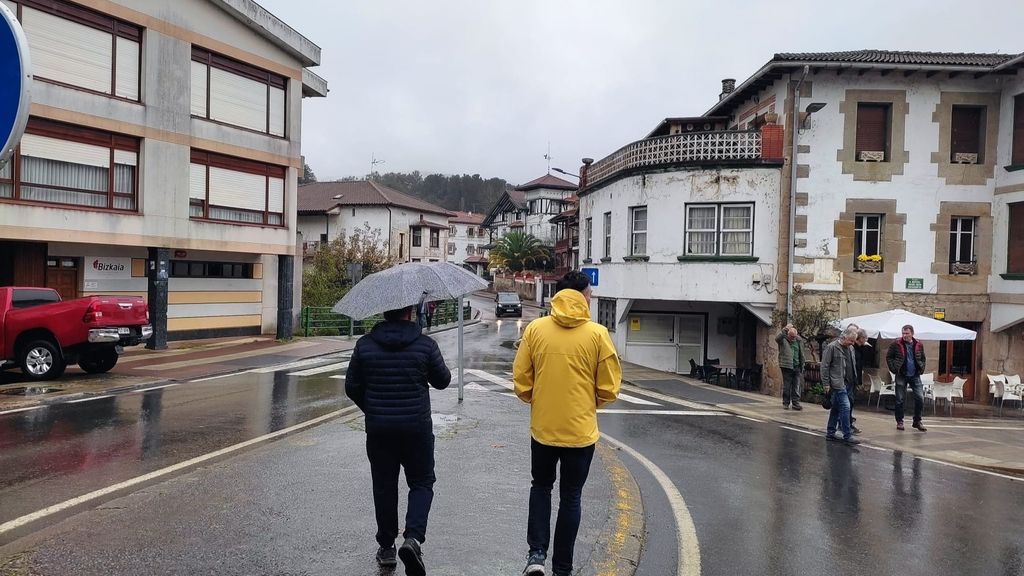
(889, 324)
(410, 284)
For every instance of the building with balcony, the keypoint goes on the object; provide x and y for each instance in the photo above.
(467, 241)
(909, 191)
(682, 227)
(530, 207)
(161, 159)
(567, 230)
(413, 230)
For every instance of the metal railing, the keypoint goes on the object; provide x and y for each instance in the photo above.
(676, 149)
(321, 321)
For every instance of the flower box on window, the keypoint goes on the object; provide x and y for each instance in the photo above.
(871, 156)
(965, 158)
(865, 263)
(964, 268)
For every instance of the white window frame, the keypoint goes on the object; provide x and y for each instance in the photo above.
(607, 234)
(864, 230)
(635, 235)
(957, 236)
(590, 237)
(719, 229)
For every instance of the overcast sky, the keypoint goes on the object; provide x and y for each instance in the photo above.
(481, 86)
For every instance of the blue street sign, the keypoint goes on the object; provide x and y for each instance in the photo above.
(593, 273)
(15, 82)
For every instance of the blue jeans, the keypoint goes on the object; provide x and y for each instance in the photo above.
(901, 393)
(574, 469)
(840, 414)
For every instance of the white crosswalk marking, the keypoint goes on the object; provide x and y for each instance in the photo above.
(321, 369)
(634, 400)
(491, 378)
(292, 365)
(664, 412)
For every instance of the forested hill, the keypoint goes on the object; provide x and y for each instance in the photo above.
(465, 192)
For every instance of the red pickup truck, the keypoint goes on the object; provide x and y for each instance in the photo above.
(43, 334)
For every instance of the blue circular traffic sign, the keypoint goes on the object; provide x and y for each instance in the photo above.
(15, 83)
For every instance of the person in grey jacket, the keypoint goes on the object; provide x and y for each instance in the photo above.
(791, 360)
(838, 371)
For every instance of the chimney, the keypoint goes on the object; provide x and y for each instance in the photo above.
(728, 85)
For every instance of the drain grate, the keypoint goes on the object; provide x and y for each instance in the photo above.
(29, 390)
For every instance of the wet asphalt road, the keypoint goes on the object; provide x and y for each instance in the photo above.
(764, 499)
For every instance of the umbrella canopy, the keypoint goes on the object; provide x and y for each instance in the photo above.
(889, 324)
(407, 285)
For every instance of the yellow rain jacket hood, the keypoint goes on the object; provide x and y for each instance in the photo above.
(566, 367)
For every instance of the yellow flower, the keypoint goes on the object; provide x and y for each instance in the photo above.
(862, 258)
(876, 258)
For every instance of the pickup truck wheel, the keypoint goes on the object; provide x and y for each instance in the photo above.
(98, 361)
(41, 360)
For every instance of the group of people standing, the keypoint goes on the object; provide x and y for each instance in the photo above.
(565, 368)
(842, 369)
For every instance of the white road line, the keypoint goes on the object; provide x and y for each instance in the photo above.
(293, 365)
(1016, 428)
(997, 474)
(89, 398)
(800, 430)
(688, 554)
(666, 397)
(491, 378)
(218, 377)
(156, 474)
(321, 369)
(749, 418)
(476, 387)
(21, 410)
(664, 412)
(338, 376)
(634, 400)
(143, 390)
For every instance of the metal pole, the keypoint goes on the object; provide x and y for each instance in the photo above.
(792, 193)
(461, 320)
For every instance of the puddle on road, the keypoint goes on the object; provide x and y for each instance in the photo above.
(30, 390)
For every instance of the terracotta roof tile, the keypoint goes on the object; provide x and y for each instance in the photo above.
(318, 197)
(898, 57)
(547, 181)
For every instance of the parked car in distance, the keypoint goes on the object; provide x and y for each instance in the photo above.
(507, 303)
(42, 334)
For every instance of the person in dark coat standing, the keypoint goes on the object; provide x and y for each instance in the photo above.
(388, 378)
(906, 361)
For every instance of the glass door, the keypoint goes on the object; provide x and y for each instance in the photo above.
(957, 358)
(689, 342)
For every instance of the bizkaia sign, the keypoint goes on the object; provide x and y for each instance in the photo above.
(106, 267)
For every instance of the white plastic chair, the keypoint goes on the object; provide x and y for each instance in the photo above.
(1014, 390)
(1005, 392)
(942, 391)
(993, 389)
(881, 388)
(958, 389)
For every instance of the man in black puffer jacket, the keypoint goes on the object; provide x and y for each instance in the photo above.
(388, 377)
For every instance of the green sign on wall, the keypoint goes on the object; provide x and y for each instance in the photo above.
(915, 283)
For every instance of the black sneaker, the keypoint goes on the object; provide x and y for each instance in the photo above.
(855, 430)
(412, 557)
(785, 406)
(831, 437)
(920, 426)
(534, 564)
(797, 407)
(851, 441)
(386, 557)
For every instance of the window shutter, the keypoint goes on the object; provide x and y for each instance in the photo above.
(1018, 130)
(277, 111)
(34, 146)
(197, 181)
(872, 127)
(276, 200)
(233, 189)
(966, 136)
(1015, 244)
(199, 88)
(238, 100)
(127, 84)
(67, 51)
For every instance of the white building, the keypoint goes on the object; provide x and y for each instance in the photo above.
(467, 241)
(161, 159)
(530, 207)
(413, 230)
(681, 228)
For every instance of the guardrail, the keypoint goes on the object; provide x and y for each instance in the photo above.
(321, 321)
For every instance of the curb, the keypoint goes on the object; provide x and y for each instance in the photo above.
(1016, 472)
(618, 548)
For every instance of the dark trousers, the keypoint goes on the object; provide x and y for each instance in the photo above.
(851, 390)
(413, 451)
(574, 469)
(914, 382)
(790, 386)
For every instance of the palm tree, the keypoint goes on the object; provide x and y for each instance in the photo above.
(516, 251)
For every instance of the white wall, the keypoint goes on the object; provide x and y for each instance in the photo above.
(462, 241)
(1013, 86)
(665, 195)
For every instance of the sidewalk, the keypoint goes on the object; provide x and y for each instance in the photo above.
(971, 437)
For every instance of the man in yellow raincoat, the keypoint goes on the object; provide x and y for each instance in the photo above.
(566, 368)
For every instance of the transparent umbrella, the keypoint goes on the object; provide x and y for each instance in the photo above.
(411, 284)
